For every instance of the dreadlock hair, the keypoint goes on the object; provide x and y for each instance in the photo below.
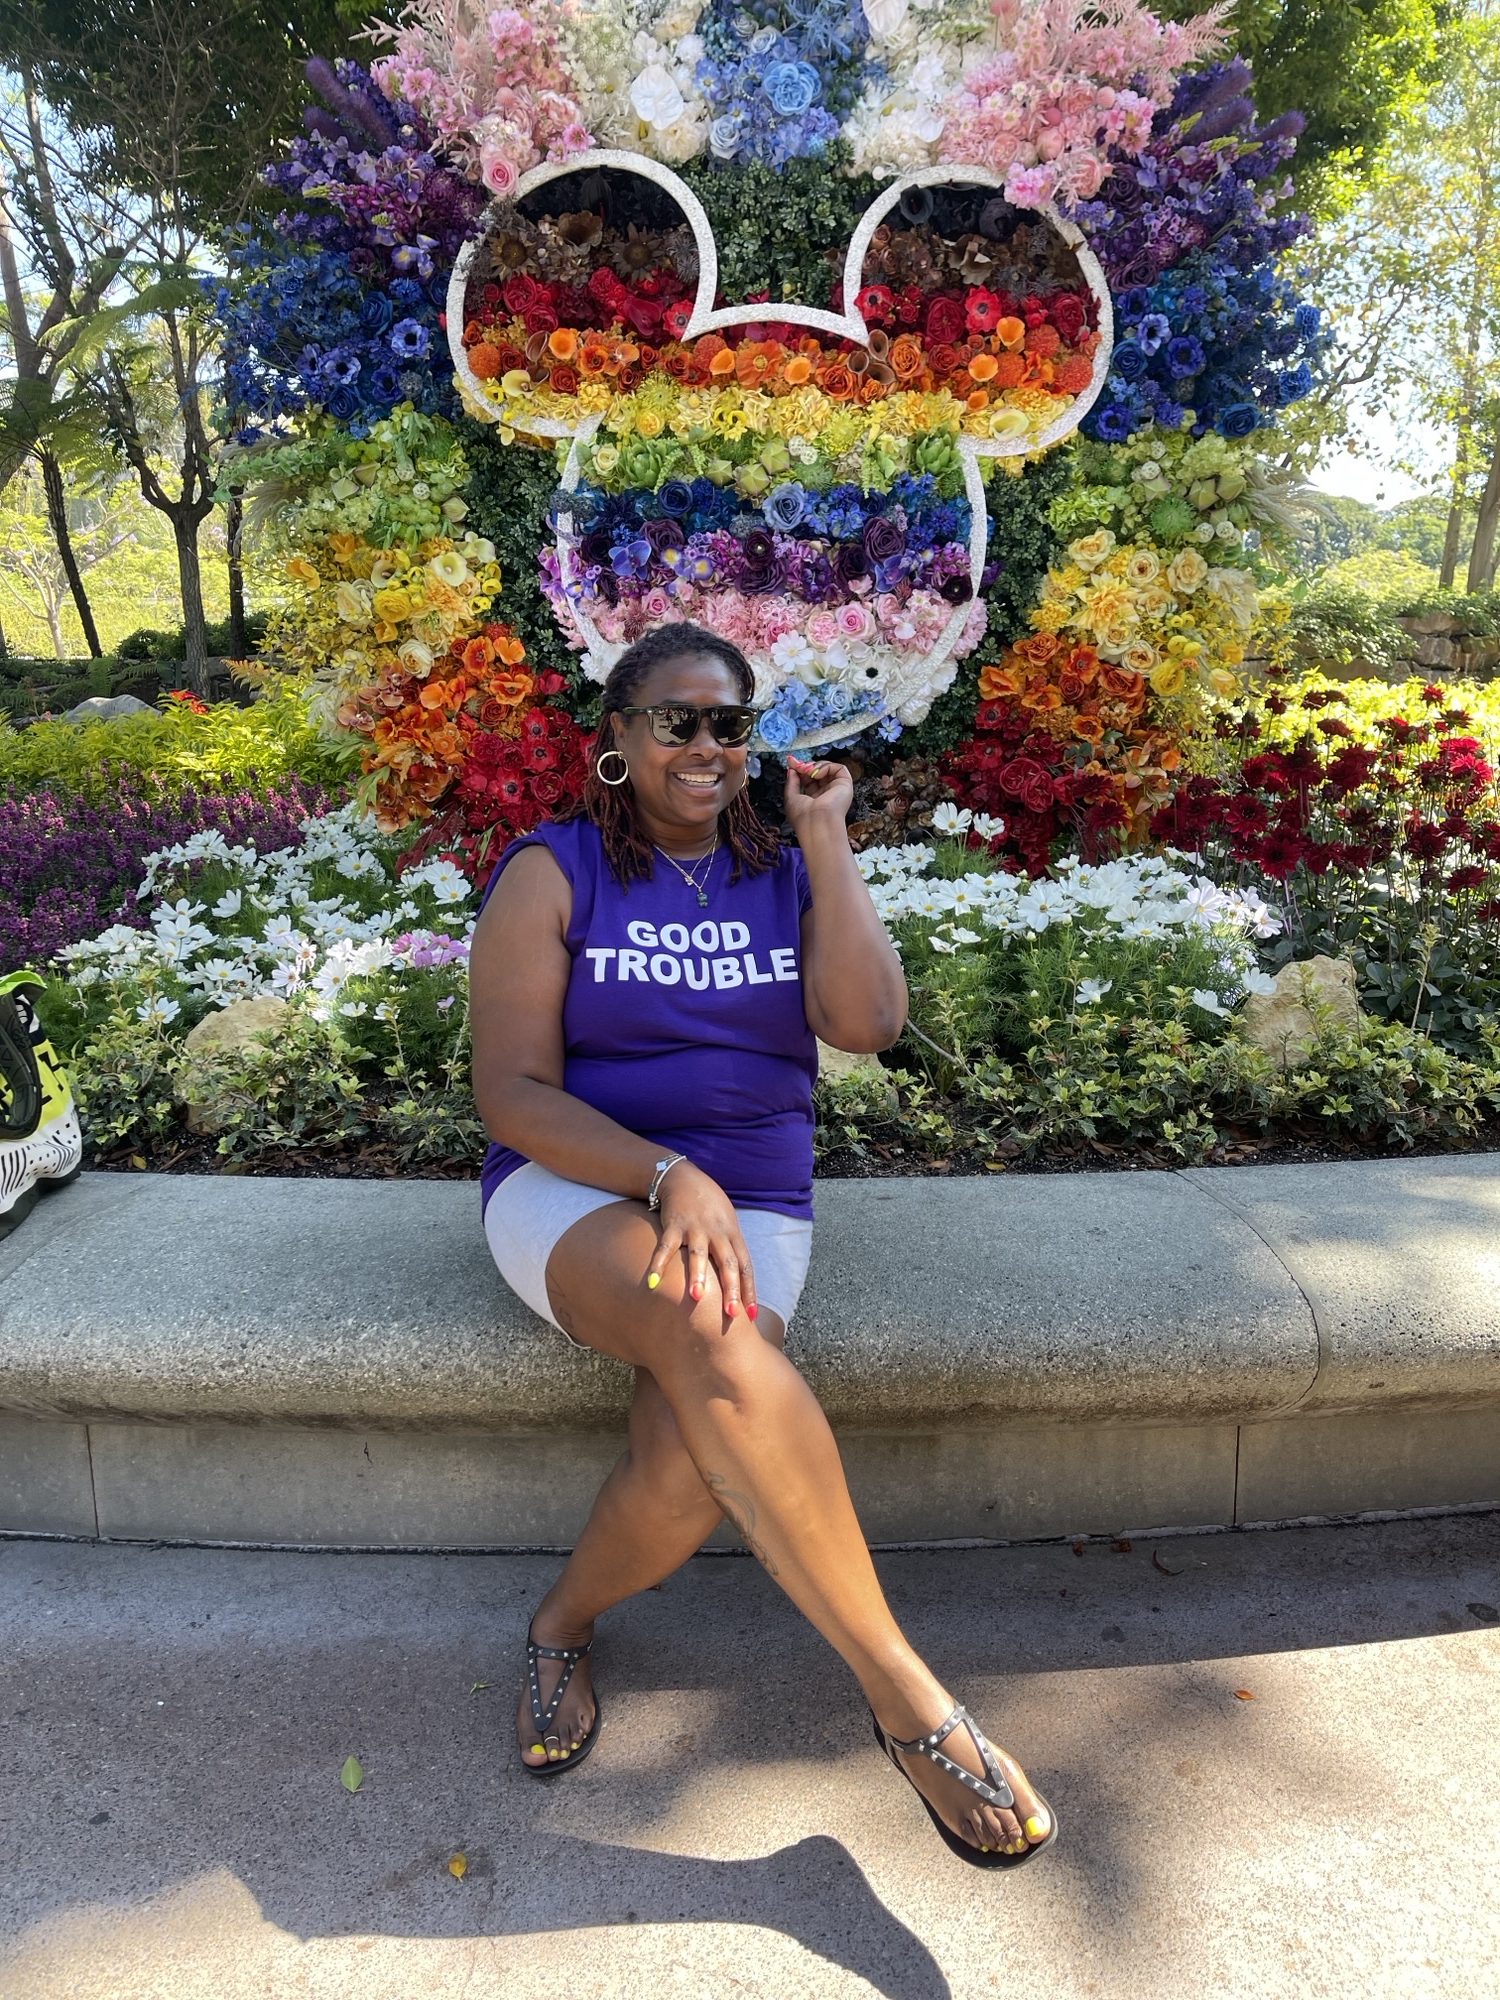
(753, 846)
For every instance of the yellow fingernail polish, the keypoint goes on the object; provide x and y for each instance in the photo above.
(1036, 1827)
(653, 1281)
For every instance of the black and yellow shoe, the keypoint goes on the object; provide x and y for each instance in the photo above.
(40, 1143)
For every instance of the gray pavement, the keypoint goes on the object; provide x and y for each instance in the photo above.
(173, 1722)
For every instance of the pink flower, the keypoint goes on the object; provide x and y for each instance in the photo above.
(1030, 187)
(822, 630)
(854, 621)
(497, 171)
(656, 604)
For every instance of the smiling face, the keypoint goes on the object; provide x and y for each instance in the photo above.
(681, 790)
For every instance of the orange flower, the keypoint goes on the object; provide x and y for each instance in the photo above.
(984, 367)
(1089, 729)
(1073, 375)
(1044, 340)
(1040, 697)
(476, 655)
(998, 684)
(511, 689)
(798, 370)
(1009, 371)
(872, 389)
(978, 401)
(756, 362)
(907, 359)
(836, 381)
(508, 648)
(562, 343)
(721, 365)
(1010, 331)
(484, 360)
(1039, 648)
(593, 357)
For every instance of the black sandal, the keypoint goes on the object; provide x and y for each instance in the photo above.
(572, 1654)
(996, 1793)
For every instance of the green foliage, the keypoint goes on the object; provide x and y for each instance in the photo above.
(509, 490)
(228, 746)
(781, 231)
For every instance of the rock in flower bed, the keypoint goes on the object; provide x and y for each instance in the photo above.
(1099, 1007)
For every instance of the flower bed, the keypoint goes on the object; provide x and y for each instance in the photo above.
(1095, 1007)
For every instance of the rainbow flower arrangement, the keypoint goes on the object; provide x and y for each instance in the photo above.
(834, 470)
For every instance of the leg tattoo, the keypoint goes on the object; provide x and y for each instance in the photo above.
(745, 1527)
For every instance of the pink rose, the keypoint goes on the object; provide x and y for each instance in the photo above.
(656, 604)
(822, 630)
(854, 621)
(498, 172)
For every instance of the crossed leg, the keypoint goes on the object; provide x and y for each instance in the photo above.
(761, 1449)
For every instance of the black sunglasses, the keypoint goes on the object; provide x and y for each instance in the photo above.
(678, 722)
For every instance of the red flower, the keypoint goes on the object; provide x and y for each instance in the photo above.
(876, 304)
(945, 320)
(521, 294)
(981, 311)
(1471, 876)
(1069, 315)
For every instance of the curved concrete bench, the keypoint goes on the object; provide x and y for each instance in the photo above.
(337, 1362)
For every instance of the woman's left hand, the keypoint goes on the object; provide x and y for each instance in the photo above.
(817, 795)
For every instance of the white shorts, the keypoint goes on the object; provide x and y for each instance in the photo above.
(533, 1207)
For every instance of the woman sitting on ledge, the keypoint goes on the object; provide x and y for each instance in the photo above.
(647, 979)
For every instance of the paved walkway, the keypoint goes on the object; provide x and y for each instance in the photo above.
(173, 1722)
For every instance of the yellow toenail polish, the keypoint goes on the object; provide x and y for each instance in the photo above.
(1036, 1827)
(538, 1749)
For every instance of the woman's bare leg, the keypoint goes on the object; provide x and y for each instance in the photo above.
(763, 1448)
(651, 1514)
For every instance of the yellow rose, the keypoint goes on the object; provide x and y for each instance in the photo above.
(606, 458)
(649, 423)
(1186, 571)
(1139, 656)
(1142, 567)
(1223, 683)
(1091, 550)
(1168, 678)
(392, 604)
(300, 570)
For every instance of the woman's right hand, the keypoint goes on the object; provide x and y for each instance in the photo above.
(698, 1222)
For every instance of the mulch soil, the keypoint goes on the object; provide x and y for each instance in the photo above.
(1293, 1145)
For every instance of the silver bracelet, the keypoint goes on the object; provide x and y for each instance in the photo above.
(663, 1168)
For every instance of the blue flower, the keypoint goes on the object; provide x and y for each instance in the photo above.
(676, 498)
(1128, 362)
(376, 314)
(777, 730)
(1185, 355)
(784, 506)
(1238, 420)
(1113, 425)
(791, 87)
(410, 340)
(1153, 330)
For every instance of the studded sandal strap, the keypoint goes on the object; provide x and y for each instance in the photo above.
(996, 1792)
(542, 1718)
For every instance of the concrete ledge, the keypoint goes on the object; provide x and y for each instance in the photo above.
(338, 1363)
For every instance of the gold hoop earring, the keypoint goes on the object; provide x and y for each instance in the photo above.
(599, 768)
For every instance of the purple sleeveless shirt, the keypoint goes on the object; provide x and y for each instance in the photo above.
(684, 1024)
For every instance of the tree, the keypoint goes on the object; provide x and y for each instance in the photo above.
(1354, 68)
(34, 574)
(1411, 276)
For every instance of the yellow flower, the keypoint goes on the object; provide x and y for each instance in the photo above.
(606, 458)
(1186, 571)
(1143, 566)
(1090, 550)
(1223, 683)
(449, 568)
(392, 604)
(416, 658)
(1168, 678)
(1139, 656)
(300, 570)
(1107, 606)
(351, 604)
(649, 423)
(1050, 615)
